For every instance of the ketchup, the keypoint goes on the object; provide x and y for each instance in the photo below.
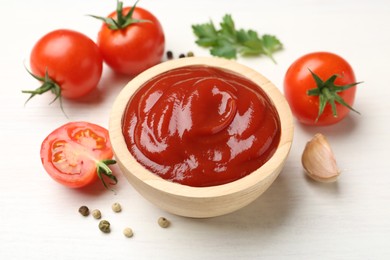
(201, 126)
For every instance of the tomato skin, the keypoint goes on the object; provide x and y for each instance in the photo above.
(135, 48)
(298, 80)
(69, 154)
(72, 60)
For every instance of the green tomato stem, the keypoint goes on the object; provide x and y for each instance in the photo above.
(47, 85)
(327, 94)
(103, 169)
(122, 21)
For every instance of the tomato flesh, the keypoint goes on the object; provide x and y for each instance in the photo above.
(69, 154)
(298, 80)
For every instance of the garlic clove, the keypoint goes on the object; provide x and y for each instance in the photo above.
(318, 160)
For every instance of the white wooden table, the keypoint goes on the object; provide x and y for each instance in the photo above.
(295, 219)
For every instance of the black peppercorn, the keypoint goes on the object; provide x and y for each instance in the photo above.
(169, 55)
(84, 210)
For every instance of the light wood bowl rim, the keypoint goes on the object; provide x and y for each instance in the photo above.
(125, 158)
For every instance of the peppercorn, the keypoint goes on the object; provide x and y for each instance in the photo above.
(163, 222)
(169, 55)
(96, 214)
(84, 210)
(182, 56)
(104, 226)
(128, 232)
(190, 54)
(116, 207)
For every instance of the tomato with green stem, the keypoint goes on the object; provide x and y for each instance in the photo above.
(320, 88)
(68, 64)
(131, 39)
(77, 154)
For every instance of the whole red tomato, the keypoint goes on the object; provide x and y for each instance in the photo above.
(131, 40)
(77, 154)
(67, 62)
(320, 88)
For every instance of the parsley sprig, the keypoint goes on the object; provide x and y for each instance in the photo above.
(227, 41)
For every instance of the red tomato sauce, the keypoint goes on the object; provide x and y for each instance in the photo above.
(201, 126)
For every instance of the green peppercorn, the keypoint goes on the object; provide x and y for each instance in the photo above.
(84, 210)
(163, 222)
(190, 54)
(104, 226)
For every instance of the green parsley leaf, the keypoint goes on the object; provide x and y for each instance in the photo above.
(224, 48)
(270, 45)
(227, 28)
(227, 41)
(251, 43)
(206, 33)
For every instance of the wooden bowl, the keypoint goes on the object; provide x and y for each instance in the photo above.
(200, 202)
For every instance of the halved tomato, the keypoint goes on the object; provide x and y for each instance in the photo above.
(77, 154)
